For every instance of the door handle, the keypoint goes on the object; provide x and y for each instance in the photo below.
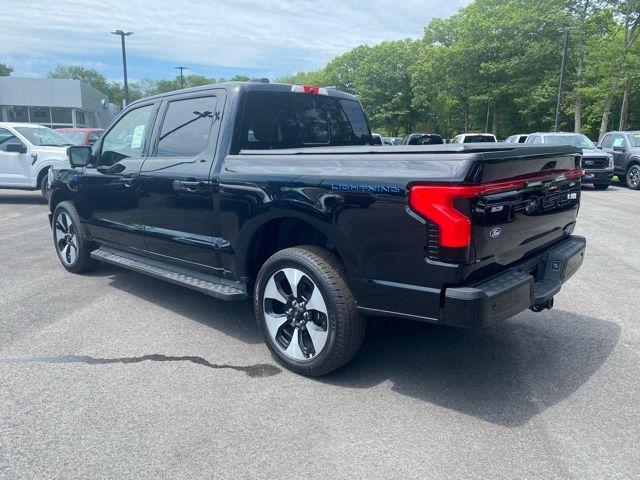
(193, 185)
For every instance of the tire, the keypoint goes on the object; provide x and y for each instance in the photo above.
(601, 186)
(633, 177)
(71, 240)
(321, 316)
(44, 187)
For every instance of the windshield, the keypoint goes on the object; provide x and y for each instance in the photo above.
(74, 137)
(577, 140)
(634, 139)
(43, 136)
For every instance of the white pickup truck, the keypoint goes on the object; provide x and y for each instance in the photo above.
(27, 151)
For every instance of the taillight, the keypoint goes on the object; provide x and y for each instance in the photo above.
(437, 205)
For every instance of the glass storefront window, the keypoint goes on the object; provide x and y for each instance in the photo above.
(40, 114)
(17, 114)
(81, 120)
(61, 115)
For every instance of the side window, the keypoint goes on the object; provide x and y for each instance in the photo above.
(536, 139)
(618, 141)
(186, 127)
(7, 138)
(606, 141)
(126, 138)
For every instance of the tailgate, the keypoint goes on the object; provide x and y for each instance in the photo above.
(537, 206)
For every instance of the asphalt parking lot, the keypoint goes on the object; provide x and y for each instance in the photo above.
(115, 374)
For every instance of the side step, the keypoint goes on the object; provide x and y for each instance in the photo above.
(208, 284)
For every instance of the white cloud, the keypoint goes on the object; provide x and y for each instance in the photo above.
(280, 36)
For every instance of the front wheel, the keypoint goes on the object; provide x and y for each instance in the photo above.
(600, 186)
(44, 187)
(306, 311)
(71, 240)
(633, 177)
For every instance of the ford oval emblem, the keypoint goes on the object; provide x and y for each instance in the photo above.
(495, 232)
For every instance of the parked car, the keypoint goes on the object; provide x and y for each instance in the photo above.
(376, 139)
(391, 141)
(516, 139)
(27, 151)
(423, 139)
(216, 188)
(598, 164)
(625, 148)
(475, 138)
(80, 136)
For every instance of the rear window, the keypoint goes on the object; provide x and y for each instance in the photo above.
(425, 140)
(292, 120)
(479, 138)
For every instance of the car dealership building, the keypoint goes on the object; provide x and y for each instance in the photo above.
(54, 103)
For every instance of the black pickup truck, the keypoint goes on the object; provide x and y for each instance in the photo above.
(274, 192)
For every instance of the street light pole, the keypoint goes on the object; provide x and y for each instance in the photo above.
(564, 61)
(182, 76)
(123, 34)
(486, 127)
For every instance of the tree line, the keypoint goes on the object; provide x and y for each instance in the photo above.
(495, 65)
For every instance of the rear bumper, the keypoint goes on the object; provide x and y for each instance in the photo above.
(531, 283)
(597, 175)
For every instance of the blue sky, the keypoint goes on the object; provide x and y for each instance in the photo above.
(217, 38)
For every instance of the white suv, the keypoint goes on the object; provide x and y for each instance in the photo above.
(27, 151)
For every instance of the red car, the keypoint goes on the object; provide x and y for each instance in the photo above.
(80, 136)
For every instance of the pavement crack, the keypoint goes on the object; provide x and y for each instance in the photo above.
(257, 370)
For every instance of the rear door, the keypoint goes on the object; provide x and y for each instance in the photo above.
(177, 183)
(110, 186)
(14, 166)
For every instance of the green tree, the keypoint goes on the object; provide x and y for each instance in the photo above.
(89, 76)
(5, 70)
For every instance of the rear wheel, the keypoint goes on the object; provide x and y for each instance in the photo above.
(307, 312)
(633, 177)
(71, 240)
(600, 186)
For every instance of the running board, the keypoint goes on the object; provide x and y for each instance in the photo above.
(211, 285)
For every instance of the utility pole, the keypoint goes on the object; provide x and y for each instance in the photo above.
(123, 34)
(564, 61)
(182, 76)
(486, 126)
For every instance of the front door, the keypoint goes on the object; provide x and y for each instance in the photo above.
(176, 179)
(110, 186)
(14, 166)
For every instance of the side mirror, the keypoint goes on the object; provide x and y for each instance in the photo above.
(79, 155)
(16, 148)
(621, 148)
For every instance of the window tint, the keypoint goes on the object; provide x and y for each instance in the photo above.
(606, 141)
(186, 127)
(479, 139)
(126, 138)
(7, 138)
(634, 140)
(618, 140)
(291, 120)
(425, 140)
